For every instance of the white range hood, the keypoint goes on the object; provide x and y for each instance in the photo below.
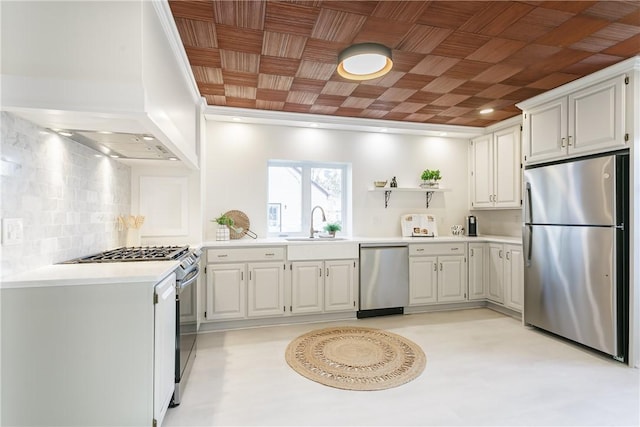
(113, 76)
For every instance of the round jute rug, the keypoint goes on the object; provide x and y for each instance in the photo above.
(356, 358)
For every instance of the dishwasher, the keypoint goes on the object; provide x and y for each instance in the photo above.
(384, 279)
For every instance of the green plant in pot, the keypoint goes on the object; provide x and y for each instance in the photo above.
(224, 222)
(332, 227)
(430, 178)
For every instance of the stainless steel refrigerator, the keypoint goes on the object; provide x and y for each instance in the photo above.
(575, 244)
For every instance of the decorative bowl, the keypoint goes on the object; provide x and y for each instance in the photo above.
(379, 183)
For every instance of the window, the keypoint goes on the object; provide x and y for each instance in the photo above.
(296, 187)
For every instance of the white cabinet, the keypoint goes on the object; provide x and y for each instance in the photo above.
(496, 170)
(495, 288)
(266, 289)
(478, 268)
(340, 285)
(586, 121)
(506, 275)
(514, 277)
(164, 346)
(226, 292)
(437, 273)
(323, 286)
(95, 352)
(307, 287)
(423, 280)
(243, 283)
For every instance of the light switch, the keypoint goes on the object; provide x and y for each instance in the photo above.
(12, 231)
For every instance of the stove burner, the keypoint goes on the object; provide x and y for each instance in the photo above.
(140, 253)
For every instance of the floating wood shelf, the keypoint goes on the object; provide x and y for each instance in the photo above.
(428, 192)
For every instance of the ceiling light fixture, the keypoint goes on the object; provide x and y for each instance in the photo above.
(486, 111)
(148, 138)
(364, 61)
(64, 133)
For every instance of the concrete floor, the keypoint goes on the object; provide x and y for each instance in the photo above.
(483, 368)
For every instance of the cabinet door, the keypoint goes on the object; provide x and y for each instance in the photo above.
(307, 285)
(546, 131)
(481, 172)
(164, 346)
(338, 285)
(266, 289)
(226, 291)
(452, 278)
(423, 280)
(514, 277)
(596, 117)
(477, 271)
(495, 290)
(507, 177)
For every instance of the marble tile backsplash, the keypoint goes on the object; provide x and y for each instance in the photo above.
(69, 199)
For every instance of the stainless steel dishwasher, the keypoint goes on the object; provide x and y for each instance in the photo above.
(384, 279)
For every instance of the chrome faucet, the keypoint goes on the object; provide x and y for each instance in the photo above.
(324, 218)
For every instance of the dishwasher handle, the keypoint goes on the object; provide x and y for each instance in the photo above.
(383, 245)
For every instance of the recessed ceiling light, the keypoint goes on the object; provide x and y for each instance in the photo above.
(486, 111)
(172, 159)
(65, 133)
(105, 132)
(114, 156)
(148, 138)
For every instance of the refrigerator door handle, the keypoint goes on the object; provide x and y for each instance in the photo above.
(528, 211)
(528, 242)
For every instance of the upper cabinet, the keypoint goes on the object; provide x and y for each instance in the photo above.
(496, 170)
(116, 66)
(587, 116)
(586, 121)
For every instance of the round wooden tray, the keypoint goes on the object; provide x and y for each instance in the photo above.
(240, 223)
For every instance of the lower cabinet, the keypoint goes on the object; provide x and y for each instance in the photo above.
(514, 277)
(478, 270)
(245, 283)
(437, 273)
(505, 275)
(264, 285)
(323, 286)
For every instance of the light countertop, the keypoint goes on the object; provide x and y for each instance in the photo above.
(281, 241)
(150, 272)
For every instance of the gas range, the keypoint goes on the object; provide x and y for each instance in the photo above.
(138, 253)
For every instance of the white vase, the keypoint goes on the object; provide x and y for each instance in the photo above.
(222, 233)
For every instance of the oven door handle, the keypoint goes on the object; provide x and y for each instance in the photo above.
(190, 278)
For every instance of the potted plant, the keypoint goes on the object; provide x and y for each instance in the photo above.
(224, 222)
(332, 227)
(430, 178)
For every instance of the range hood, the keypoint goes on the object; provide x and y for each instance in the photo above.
(120, 145)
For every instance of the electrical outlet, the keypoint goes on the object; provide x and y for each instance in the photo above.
(12, 231)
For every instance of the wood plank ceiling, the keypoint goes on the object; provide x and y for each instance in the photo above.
(451, 58)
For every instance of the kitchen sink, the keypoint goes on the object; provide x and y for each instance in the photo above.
(314, 239)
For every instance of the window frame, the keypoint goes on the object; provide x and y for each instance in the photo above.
(306, 197)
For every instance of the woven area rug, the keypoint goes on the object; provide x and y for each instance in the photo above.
(356, 358)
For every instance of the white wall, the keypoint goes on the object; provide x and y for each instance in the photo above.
(68, 199)
(172, 217)
(235, 168)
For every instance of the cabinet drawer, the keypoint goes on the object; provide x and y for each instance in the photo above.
(437, 249)
(244, 254)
